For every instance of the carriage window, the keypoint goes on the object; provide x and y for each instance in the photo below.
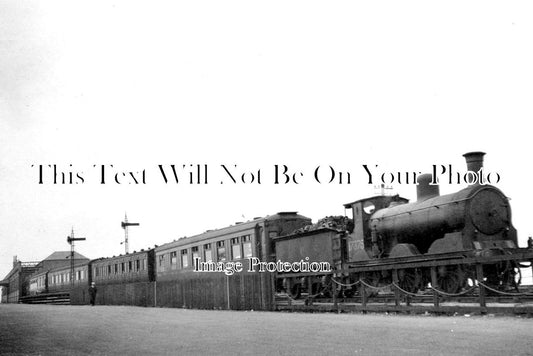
(195, 253)
(173, 259)
(236, 248)
(161, 262)
(247, 246)
(208, 256)
(184, 259)
(221, 251)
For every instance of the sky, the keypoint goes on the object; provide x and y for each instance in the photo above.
(248, 85)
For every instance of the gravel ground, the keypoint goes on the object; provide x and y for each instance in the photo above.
(116, 330)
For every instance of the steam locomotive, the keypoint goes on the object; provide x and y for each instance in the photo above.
(391, 240)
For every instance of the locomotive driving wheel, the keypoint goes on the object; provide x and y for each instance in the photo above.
(451, 279)
(503, 275)
(372, 279)
(409, 280)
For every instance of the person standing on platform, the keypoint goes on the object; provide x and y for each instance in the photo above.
(92, 293)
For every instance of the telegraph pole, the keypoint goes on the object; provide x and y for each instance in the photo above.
(70, 240)
(125, 224)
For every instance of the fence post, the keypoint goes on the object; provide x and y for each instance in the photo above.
(434, 284)
(363, 293)
(334, 293)
(227, 292)
(396, 291)
(479, 276)
(155, 293)
(309, 290)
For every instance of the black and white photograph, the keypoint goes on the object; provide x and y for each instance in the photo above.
(266, 177)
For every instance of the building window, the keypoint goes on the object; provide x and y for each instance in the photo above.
(247, 246)
(122, 267)
(130, 266)
(144, 264)
(208, 256)
(221, 250)
(137, 265)
(184, 259)
(236, 248)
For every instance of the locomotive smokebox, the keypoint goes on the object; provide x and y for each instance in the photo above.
(474, 161)
(424, 190)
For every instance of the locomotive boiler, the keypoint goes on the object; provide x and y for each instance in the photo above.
(476, 218)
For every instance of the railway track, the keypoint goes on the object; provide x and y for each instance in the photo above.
(427, 302)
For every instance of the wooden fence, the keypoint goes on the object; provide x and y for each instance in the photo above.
(241, 291)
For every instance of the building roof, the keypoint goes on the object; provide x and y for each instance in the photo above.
(62, 255)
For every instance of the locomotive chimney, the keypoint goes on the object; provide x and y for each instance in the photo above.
(424, 190)
(474, 161)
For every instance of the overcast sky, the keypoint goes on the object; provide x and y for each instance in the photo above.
(134, 84)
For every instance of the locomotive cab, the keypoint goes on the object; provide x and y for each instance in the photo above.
(362, 243)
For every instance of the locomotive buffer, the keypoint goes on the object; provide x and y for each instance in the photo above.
(125, 224)
(70, 240)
